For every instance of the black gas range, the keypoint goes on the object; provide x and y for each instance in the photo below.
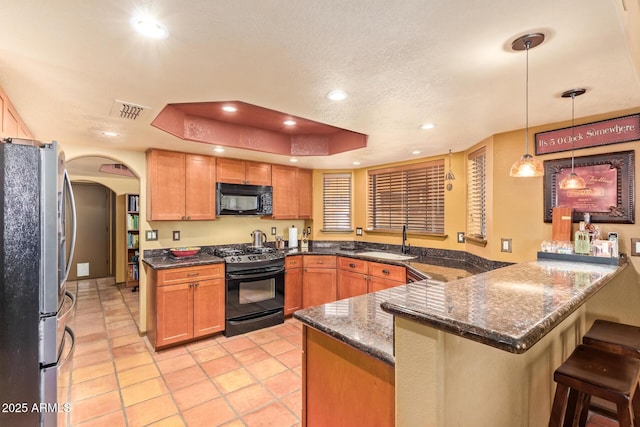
(254, 288)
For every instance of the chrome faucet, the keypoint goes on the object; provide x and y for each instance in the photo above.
(405, 249)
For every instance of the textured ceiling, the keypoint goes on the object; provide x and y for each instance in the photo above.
(63, 63)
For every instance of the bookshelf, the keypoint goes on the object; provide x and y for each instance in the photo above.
(132, 240)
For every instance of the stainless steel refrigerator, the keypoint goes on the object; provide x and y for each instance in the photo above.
(35, 255)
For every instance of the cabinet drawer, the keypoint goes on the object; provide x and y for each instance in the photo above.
(352, 264)
(319, 261)
(186, 274)
(386, 271)
(293, 261)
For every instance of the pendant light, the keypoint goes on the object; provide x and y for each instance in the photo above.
(449, 176)
(573, 181)
(527, 166)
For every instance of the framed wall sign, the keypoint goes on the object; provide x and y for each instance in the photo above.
(609, 194)
(605, 132)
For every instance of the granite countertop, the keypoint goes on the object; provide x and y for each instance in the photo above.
(165, 261)
(509, 308)
(359, 322)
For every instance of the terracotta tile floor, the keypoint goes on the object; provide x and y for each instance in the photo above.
(116, 379)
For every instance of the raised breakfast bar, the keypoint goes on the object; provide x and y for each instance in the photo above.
(479, 351)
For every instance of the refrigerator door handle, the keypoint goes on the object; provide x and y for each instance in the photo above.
(67, 183)
(69, 355)
(62, 317)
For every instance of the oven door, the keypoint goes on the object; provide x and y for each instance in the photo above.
(254, 292)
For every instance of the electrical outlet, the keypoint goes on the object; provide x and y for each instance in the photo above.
(151, 235)
(505, 245)
(358, 231)
(176, 235)
(273, 231)
(460, 236)
(635, 247)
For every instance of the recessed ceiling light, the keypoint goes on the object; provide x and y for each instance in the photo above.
(293, 160)
(415, 152)
(289, 122)
(427, 126)
(218, 150)
(149, 27)
(337, 95)
(229, 108)
(109, 133)
(356, 163)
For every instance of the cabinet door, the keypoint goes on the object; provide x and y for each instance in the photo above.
(305, 193)
(230, 170)
(175, 314)
(351, 284)
(200, 190)
(257, 173)
(292, 290)
(378, 284)
(318, 286)
(285, 192)
(208, 307)
(165, 185)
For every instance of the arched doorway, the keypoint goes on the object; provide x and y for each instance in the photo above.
(100, 179)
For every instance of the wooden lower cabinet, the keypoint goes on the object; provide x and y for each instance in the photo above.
(318, 286)
(343, 386)
(378, 284)
(292, 284)
(184, 304)
(351, 284)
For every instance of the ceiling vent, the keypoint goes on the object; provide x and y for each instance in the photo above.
(127, 110)
(116, 169)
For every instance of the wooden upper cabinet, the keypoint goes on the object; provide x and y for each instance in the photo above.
(180, 186)
(11, 124)
(305, 193)
(257, 173)
(234, 171)
(200, 190)
(285, 192)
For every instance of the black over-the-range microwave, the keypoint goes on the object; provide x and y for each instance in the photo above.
(240, 199)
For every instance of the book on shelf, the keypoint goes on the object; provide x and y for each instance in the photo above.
(133, 203)
(133, 272)
(132, 221)
(133, 240)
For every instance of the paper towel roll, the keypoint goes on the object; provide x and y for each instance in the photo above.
(293, 237)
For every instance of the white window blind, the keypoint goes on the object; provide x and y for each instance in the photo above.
(336, 195)
(476, 194)
(411, 195)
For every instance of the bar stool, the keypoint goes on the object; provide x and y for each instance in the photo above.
(614, 337)
(594, 372)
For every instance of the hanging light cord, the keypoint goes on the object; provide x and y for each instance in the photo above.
(527, 45)
(573, 120)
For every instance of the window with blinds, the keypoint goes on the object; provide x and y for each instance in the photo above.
(476, 194)
(336, 196)
(411, 195)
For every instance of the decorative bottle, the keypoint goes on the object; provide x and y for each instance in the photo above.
(582, 245)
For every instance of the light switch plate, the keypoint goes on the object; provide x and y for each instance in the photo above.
(359, 231)
(635, 247)
(505, 245)
(273, 231)
(460, 236)
(176, 235)
(151, 235)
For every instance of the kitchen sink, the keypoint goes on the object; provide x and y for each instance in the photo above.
(386, 255)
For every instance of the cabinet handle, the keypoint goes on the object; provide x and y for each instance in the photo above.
(182, 217)
(352, 265)
(189, 217)
(196, 274)
(196, 284)
(385, 271)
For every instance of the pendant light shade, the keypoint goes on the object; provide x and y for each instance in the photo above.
(449, 176)
(527, 166)
(573, 181)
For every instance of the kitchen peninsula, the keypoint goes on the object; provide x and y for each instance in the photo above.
(480, 350)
